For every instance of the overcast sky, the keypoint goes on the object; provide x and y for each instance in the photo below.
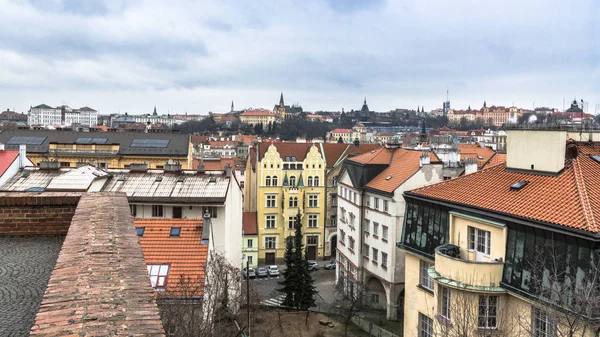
(198, 56)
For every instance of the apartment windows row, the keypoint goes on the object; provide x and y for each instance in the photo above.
(313, 201)
(347, 194)
(271, 241)
(158, 211)
(373, 229)
(311, 181)
(378, 204)
(374, 255)
(271, 221)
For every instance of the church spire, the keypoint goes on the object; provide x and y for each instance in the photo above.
(281, 100)
(365, 102)
(154, 111)
(232, 106)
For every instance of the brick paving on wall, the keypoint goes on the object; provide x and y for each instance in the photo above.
(99, 286)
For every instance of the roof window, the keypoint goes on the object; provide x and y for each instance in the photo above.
(479, 157)
(140, 231)
(596, 158)
(518, 185)
(388, 177)
(212, 180)
(175, 232)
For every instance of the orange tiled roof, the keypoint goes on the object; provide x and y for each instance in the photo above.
(258, 113)
(298, 150)
(403, 165)
(249, 224)
(380, 156)
(185, 254)
(571, 199)
(497, 159)
(474, 151)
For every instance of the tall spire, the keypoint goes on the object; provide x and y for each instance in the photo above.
(365, 103)
(281, 100)
(154, 111)
(232, 106)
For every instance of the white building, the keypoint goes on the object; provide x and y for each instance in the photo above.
(44, 115)
(371, 214)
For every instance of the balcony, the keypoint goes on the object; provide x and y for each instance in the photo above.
(457, 267)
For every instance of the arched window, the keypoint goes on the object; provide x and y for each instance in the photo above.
(316, 180)
(292, 181)
(293, 202)
(309, 181)
(274, 180)
(268, 181)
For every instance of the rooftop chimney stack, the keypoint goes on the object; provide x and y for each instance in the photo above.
(536, 150)
(228, 170)
(470, 165)
(424, 160)
(22, 154)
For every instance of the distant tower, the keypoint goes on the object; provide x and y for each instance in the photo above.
(281, 100)
(418, 109)
(231, 106)
(422, 108)
(155, 111)
(484, 104)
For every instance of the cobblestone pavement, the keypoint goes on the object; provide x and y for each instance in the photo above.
(25, 267)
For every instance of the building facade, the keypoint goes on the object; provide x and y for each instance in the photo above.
(490, 256)
(370, 217)
(103, 149)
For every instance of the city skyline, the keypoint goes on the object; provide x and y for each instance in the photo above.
(325, 55)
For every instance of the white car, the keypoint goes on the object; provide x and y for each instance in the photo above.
(273, 271)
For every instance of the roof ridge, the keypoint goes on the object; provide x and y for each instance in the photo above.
(583, 196)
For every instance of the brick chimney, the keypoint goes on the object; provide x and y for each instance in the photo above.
(228, 170)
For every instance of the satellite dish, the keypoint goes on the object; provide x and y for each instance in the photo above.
(170, 162)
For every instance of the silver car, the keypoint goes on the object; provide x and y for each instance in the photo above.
(262, 272)
(251, 273)
(313, 265)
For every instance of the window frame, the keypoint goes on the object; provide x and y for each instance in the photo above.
(249, 243)
(425, 324)
(140, 231)
(385, 232)
(313, 218)
(271, 201)
(160, 275)
(445, 302)
(484, 302)
(291, 222)
(425, 281)
(479, 238)
(268, 241)
(293, 202)
(543, 325)
(270, 219)
(313, 200)
(158, 211)
(384, 259)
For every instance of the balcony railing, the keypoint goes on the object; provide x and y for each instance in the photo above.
(452, 266)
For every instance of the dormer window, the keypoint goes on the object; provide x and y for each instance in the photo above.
(140, 231)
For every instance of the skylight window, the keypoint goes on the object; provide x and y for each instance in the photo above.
(83, 140)
(294, 158)
(388, 177)
(175, 232)
(596, 158)
(20, 140)
(518, 185)
(149, 143)
(140, 231)
(479, 157)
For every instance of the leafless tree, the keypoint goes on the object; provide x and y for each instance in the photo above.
(203, 306)
(348, 302)
(565, 293)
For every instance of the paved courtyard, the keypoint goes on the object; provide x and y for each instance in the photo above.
(324, 282)
(25, 267)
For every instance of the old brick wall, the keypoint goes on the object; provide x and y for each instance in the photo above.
(100, 285)
(36, 214)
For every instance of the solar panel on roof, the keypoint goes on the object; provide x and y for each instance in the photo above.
(19, 140)
(99, 140)
(88, 140)
(83, 140)
(149, 143)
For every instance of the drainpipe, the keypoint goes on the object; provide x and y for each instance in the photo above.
(360, 234)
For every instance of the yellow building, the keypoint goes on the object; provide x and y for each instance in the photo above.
(290, 179)
(103, 149)
(255, 117)
(510, 251)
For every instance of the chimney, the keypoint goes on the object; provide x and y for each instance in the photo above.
(206, 223)
(22, 154)
(1, 146)
(536, 150)
(470, 165)
(228, 170)
(424, 159)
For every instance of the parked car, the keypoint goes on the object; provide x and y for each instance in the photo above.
(313, 265)
(330, 265)
(273, 271)
(262, 272)
(251, 273)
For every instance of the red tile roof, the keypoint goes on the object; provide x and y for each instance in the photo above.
(475, 151)
(298, 150)
(381, 156)
(571, 199)
(185, 254)
(249, 223)
(7, 157)
(258, 113)
(497, 159)
(340, 131)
